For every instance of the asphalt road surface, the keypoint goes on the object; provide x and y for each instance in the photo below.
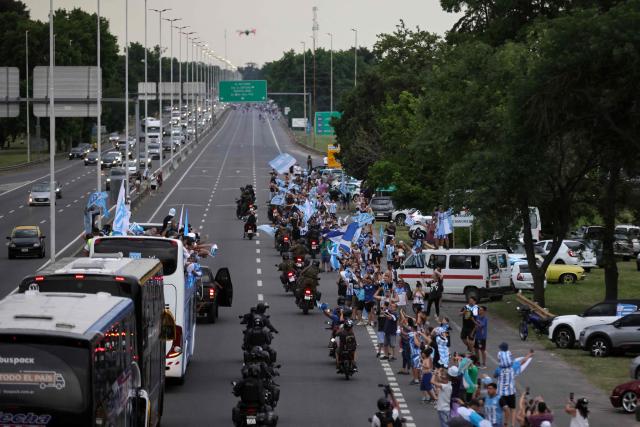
(312, 394)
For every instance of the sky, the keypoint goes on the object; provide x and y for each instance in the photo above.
(280, 25)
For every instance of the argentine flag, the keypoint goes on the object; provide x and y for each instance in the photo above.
(345, 240)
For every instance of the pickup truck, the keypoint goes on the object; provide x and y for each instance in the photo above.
(213, 292)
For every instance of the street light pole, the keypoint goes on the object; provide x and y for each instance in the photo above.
(126, 100)
(171, 21)
(304, 83)
(331, 72)
(355, 59)
(180, 70)
(160, 11)
(26, 57)
(52, 142)
(99, 106)
(146, 96)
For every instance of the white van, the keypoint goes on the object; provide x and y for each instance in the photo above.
(483, 273)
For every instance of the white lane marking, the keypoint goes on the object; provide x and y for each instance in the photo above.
(258, 260)
(259, 283)
(75, 201)
(21, 206)
(68, 206)
(12, 211)
(258, 250)
(60, 210)
(200, 227)
(43, 221)
(260, 297)
(258, 271)
(1, 216)
(257, 242)
(275, 141)
(186, 172)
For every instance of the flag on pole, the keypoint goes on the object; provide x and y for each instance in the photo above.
(121, 220)
(381, 243)
(180, 220)
(186, 223)
(345, 240)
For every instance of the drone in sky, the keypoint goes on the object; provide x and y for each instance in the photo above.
(246, 32)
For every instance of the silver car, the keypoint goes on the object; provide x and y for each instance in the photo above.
(39, 194)
(619, 336)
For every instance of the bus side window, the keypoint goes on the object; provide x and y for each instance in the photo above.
(437, 261)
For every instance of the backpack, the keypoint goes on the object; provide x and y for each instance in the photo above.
(386, 419)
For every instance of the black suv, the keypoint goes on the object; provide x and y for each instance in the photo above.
(382, 207)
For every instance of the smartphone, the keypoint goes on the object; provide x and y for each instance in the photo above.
(571, 396)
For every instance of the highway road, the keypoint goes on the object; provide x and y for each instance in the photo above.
(312, 394)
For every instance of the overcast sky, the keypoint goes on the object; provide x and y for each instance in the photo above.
(280, 24)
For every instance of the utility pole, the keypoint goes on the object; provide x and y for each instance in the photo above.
(355, 59)
(171, 21)
(331, 72)
(52, 142)
(160, 11)
(304, 82)
(126, 103)
(99, 107)
(26, 57)
(180, 73)
(314, 29)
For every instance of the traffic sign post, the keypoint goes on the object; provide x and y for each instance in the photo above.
(323, 122)
(243, 91)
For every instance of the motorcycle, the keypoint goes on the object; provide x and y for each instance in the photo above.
(347, 367)
(307, 300)
(288, 280)
(529, 317)
(249, 231)
(314, 248)
(252, 415)
(299, 262)
(285, 245)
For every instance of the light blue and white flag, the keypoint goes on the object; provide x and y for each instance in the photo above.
(99, 200)
(381, 242)
(123, 213)
(180, 220)
(277, 200)
(282, 163)
(362, 219)
(270, 230)
(409, 220)
(345, 239)
(186, 223)
(214, 250)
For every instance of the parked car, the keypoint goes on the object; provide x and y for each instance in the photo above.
(382, 207)
(521, 278)
(26, 240)
(399, 216)
(634, 368)
(76, 153)
(91, 158)
(565, 274)
(623, 247)
(570, 252)
(633, 233)
(39, 194)
(564, 330)
(111, 159)
(625, 396)
(618, 336)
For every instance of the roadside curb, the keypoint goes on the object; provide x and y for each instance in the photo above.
(293, 139)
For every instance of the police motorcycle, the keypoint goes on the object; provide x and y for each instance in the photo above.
(257, 335)
(289, 274)
(250, 225)
(346, 365)
(268, 371)
(252, 409)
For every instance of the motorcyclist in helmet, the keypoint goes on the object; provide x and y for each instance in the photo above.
(388, 410)
(309, 279)
(285, 266)
(299, 249)
(250, 223)
(250, 391)
(346, 343)
(261, 310)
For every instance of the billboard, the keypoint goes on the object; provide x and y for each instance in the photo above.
(76, 88)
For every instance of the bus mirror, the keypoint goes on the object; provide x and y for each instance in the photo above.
(136, 375)
(168, 332)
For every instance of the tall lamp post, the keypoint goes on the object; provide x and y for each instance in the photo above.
(26, 57)
(180, 69)
(52, 142)
(171, 21)
(355, 59)
(126, 99)
(331, 71)
(304, 83)
(99, 105)
(160, 11)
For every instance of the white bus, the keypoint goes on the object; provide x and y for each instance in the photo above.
(70, 359)
(178, 296)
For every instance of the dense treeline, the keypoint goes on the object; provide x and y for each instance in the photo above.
(522, 104)
(75, 37)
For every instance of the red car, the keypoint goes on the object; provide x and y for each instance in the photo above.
(626, 396)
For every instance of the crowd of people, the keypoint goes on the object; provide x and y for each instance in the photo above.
(411, 330)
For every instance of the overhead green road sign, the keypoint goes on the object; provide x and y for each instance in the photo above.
(323, 122)
(243, 91)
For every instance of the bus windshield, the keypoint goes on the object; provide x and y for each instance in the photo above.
(165, 251)
(34, 375)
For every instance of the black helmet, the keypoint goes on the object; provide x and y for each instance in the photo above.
(347, 312)
(285, 255)
(348, 324)
(341, 301)
(383, 404)
(316, 263)
(261, 308)
(256, 350)
(253, 371)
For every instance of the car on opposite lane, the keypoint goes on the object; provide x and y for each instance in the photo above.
(111, 159)
(76, 153)
(91, 158)
(39, 193)
(24, 241)
(564, 330)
